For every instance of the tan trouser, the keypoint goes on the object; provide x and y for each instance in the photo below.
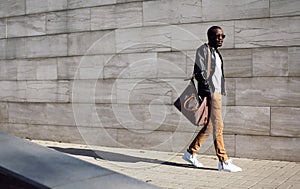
(215, 124)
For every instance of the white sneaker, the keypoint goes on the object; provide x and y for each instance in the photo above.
(228, 166)
(191, 159)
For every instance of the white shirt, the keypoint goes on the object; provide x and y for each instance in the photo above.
(217, 77)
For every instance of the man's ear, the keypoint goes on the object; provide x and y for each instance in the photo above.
(210, 41)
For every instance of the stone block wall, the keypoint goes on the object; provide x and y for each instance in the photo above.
(107, 72)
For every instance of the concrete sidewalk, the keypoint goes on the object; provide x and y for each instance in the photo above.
(168, 170)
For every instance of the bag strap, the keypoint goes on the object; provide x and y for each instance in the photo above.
(208, 61)
(209, 103)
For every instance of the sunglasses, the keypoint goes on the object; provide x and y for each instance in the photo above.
(219, 35)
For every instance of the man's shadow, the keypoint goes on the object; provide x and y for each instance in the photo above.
(117, 157)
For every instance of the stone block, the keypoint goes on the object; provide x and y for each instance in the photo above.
(79, 20)
(3, 28)
(44, 132)
(157, 140)
(105, 91)
(36, 69)
(115, 66)
(83, 114)
(47, 69)
(26, 25)
(143, 117)
(81, 67)
(141, 91)
(247, 120)
(126, 1)
(12, 8)
(103, 18)
(228, 10)
(54, 114)
(98, 42)
(192, 36)
(265, 147)
(293, 61)
(88, 3)
(284, 8)
(28, 113)
(3, 50)
(237, 62)
(116, 16)
(270, 62)
(34, 91)
(136, 65)
(107, 115)
(8, 70)
(47, 91)
(143, 39)
(26, 69)
(12, 91)
(57, 22)
(171, 12)
(190, 62)
(91, 67)
(181, 141)
(268, 91)
(282, 31)
(15, 48)
(67, 67)
(152, 117)
(166, 118)
(188, 36)
(172, 65)
(285, 121)
(3, 112)
(176, 86)
(230, 86)
(129, 14)
(46, 46)
(73, 115)
(34, 6)
(93, 91)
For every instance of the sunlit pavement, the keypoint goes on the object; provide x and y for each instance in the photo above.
(168, 170)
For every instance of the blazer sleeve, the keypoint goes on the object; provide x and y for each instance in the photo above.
(200, 70)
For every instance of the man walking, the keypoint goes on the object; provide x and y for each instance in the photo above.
(213, 88)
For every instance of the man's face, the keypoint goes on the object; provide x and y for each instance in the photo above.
(217, 38)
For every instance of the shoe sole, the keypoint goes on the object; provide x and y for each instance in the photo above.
(224, 170)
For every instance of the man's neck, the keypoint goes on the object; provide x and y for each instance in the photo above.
(211, 45)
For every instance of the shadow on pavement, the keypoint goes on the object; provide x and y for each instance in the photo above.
(113, 156)
(110, 156)
(188, 166)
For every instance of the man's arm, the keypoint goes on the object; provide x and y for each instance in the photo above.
(200, 71)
